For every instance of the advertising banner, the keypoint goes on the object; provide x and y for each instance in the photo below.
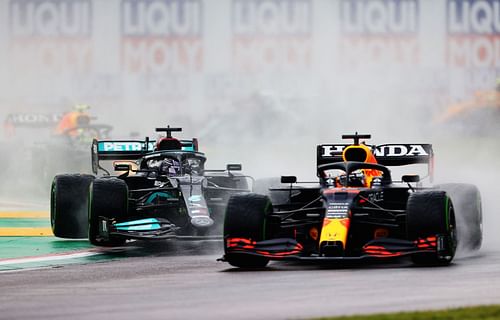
(161, 46)
(473, 43)
(51, 36)
(161, 37)
(379, 33)
(208, 55)
(271, 35)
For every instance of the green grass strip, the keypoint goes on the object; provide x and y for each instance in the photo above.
(16, 247)
(472, 313)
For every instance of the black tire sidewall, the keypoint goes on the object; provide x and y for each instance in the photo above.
(245, 217)
(68, 205)
(431, 213)
(108, 198)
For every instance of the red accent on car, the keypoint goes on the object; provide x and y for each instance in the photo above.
(242, 244)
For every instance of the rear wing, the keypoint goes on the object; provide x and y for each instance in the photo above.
(128, 150)
(386, 154)
(31, 121)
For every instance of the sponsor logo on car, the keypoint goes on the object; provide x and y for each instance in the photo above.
(393, 150)
(33, 119)
(122, 146)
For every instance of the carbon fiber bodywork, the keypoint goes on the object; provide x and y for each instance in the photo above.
(355, 211)
(184, 206)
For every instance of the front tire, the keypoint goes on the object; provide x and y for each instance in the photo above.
(431, 214)
(246, 218)
(68, 205)
(108, 198)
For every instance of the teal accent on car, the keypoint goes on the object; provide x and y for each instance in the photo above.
(139, 225)
(195, 198)
(123, 146)
(187, 145)
(155, 195)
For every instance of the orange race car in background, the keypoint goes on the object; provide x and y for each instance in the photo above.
(355, 211)
(479, 114)
(52, 143)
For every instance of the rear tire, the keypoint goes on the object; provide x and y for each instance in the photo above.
(467, 203)
(108, 198)
(68, 205)
(429, 214)
(246, 218)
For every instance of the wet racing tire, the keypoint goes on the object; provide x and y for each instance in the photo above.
(108, 198)
(431, 214)
(246, 218)
(68, 205)
(467, 204)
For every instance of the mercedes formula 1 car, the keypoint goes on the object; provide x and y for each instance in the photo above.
(355, 211)
(163, 192)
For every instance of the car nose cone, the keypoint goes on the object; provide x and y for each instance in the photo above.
(202, 221)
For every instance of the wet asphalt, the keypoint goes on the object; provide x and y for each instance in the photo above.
(184, 281)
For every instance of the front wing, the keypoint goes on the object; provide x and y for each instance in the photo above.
(146, 229)
(290, 249)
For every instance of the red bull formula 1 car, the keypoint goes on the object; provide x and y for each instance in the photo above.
(355, 211)
(52, 151)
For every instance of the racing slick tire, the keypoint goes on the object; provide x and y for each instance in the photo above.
(431, 214)
(467, 203)
(68, 205)
(108, 198)
(246, 218)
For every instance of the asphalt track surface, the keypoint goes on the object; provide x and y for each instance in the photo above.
(184, 281)
(165, 280)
